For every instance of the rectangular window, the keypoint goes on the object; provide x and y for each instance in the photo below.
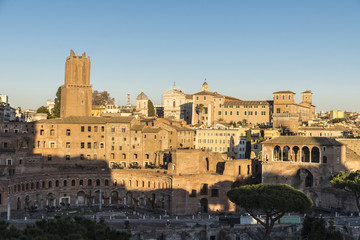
(278, 110)
(245, 113)
(101, 145)
(102, 128)
(68, 133)
(123, 129)
(225, 112)
(219, 112)
(255, 113)
(89, 128)
(89, 145)
(82, 129)
(67, 157)
(82, 157)
(52, 145)
(112, 129)
(82, 145)
(49, 157)
(95, 128)
(214, 192)
(220, 105)
(95, 145)
(68, 145)
(230, 112)
(237, 113)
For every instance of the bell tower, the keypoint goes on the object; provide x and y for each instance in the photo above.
(76, 93)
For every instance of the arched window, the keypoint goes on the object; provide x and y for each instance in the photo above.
(57, 183)
(65, 183)
(124, 156)
(286, 153)
(81, 183)
(135, 156)
(73, 182)
(50, 184)
(305, 154)
(97, 182)
(315, 155)
(296, 154)
(277, 153)
(106, 182)
(89, 182)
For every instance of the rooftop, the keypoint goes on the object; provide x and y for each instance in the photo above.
(294, 140)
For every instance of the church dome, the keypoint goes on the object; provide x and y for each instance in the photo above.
(142, 96)
(205, 86)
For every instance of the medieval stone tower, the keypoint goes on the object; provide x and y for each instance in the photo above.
(76, 93)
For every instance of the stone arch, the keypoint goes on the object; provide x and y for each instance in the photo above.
(27, 202)
(309, 178)
(296, 154)
(80, 198)
(315, 155)
(18, 203)
(286, 153)
(129, 198)
(96, 197)
(114, 197)
(204, 205)
(305, 154)
(50, 200)
(277, 153)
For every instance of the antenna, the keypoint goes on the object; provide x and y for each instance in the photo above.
(128, 100)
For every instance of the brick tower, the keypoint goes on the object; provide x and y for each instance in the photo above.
(76, 93)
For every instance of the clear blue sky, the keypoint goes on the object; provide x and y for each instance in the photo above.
(246, 49)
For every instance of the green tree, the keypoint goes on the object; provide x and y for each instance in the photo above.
(244, 121)
(72, 228)
(315, 229)
(271, 200)
(43, 109)
(349, 182)
(102, 98)
(56, 110)
(151, 109)
(9, 232)
(199, 109)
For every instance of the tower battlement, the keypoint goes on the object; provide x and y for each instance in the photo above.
(76, 93)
